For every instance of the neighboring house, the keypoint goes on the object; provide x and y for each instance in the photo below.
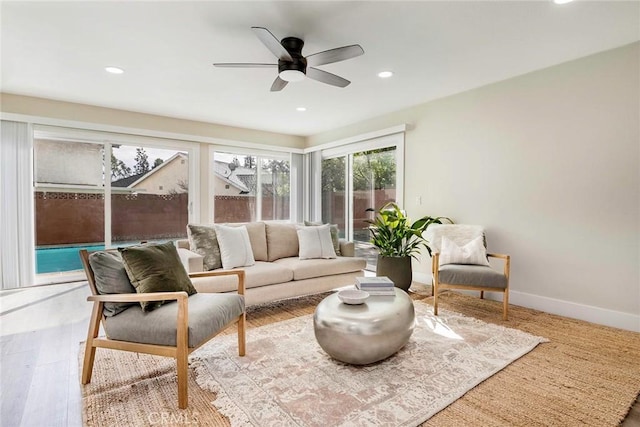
(230, 179)
(172, 176)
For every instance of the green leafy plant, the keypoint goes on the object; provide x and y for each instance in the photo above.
(395, 235)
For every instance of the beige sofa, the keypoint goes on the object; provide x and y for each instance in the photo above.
(278, 273)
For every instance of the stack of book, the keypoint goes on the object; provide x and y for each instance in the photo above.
(375, 285)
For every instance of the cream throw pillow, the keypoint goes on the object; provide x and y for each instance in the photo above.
(315, 242)
(473, 252)
(235, 246)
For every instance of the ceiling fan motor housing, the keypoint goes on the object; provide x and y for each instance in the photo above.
(294, 47)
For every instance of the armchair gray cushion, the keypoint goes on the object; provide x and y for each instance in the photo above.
(472, 275)
(208, 314)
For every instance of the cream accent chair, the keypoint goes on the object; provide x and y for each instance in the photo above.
(465, 276)
(172, 330)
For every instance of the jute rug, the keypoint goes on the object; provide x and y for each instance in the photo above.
(586, 375)
(287, 380)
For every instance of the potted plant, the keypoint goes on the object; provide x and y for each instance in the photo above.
(398, 240)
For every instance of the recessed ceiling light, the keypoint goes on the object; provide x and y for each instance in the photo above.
(385, 74)
(562, 1)
(114, 70)
(301, 109)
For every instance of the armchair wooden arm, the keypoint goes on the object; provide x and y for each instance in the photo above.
(154, 296)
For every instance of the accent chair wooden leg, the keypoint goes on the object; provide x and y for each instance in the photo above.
(505, 305)
(241, 334)
(481, 294)
(435, 299)
(89, 349)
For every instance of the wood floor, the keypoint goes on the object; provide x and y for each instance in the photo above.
(40, 332)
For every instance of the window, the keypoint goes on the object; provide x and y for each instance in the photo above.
(250, 187)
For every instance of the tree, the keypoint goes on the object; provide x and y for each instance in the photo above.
(142, 162)
(157, 162)
(279, 176)
(374, 170)
(119, 169)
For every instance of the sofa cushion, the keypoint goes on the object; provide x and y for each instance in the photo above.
(315, 242)
(257, 237)
(282, 240)
(111, 278)
(260, 274)
(309, 268)
(335, 234)
(155, 268)
(204, 241)
(208, 314)
(235, 246)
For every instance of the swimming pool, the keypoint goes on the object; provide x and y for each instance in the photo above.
(66, 258)
(54, 260)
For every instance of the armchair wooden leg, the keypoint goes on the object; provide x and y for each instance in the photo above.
(183, 372)
(90, 349)
(481, 294)
(241, 334)
(182, 353)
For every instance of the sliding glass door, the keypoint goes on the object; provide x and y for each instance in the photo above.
(354, 181)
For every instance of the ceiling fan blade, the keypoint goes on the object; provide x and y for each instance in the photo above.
(272, 43)
(244, 65)
(278, 84)
(334, 55)
(328, 78)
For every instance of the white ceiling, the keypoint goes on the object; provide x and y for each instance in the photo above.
(58, 50)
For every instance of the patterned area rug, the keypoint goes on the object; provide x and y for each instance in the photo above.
(286, 379)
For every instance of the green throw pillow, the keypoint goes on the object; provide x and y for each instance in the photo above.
(155, 268)
(335, 237)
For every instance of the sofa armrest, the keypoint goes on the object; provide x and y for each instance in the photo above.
(182, 243)
(192, 261)
(347, 248)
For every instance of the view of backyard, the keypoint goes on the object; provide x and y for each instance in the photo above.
(148, 194)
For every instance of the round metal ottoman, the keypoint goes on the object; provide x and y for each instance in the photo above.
(364, 333)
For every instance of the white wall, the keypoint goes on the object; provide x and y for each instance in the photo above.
(549, 163)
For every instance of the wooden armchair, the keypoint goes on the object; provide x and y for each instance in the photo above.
(471, 277)
(172, 330)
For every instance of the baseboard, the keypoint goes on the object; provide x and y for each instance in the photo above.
(601, 316)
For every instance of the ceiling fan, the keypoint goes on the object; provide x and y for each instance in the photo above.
(292, 66)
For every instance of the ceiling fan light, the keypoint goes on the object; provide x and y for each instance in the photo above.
(291, 75)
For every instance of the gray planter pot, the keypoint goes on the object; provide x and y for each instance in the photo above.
(398, 269)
